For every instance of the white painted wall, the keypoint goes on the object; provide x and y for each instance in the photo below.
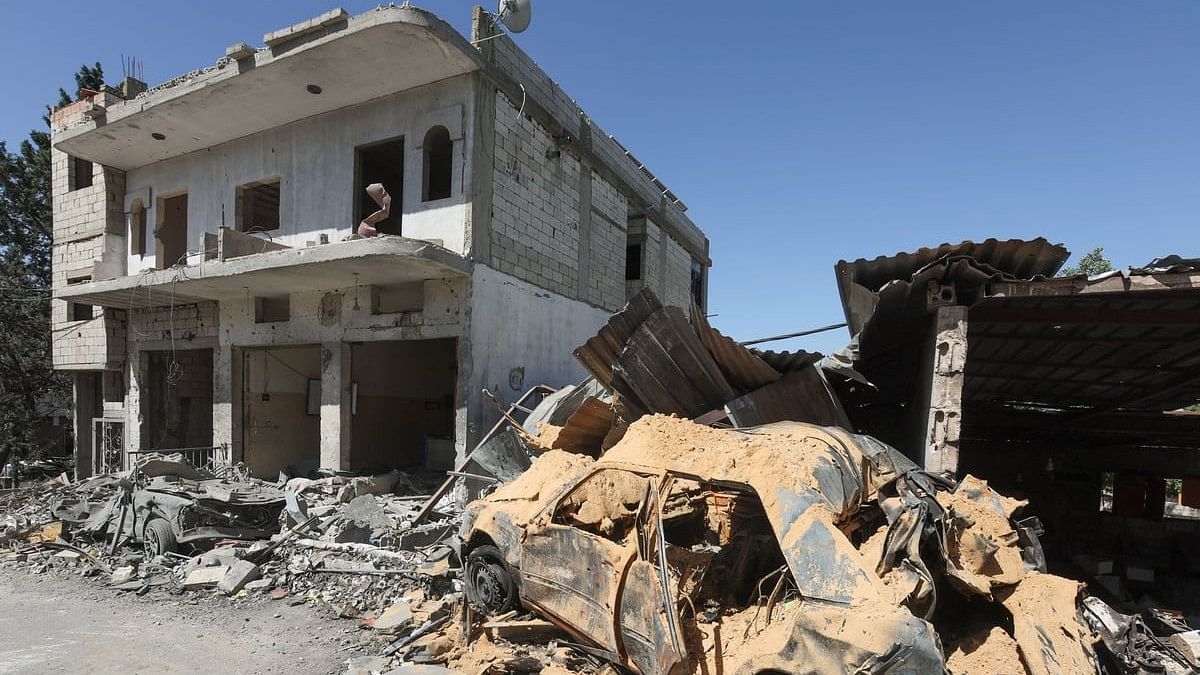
(516, 325)
(314, 158)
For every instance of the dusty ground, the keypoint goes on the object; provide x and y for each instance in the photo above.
(51, 624)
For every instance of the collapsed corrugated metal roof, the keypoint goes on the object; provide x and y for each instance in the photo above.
(860, 280)
(741, 366)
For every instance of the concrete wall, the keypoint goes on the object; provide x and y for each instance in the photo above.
(315, 162)
(521, 336)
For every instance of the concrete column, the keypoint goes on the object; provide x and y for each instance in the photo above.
(942, 387)
(83, 391)
(335, 406)
(223, 413)
(135, 373)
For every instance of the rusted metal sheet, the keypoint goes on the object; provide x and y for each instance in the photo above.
(741, 367)
(665, 369)
(801, 396)
(575, 578)
(786, 362)
(587, 427)
(600, 353)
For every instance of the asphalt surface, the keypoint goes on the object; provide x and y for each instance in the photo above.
(51, 624)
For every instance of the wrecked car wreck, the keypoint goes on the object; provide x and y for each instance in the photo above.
(750, 550)
(163, 503)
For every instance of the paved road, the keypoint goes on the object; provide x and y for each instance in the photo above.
(57, 625)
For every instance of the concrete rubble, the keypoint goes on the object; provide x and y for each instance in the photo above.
(894, 557)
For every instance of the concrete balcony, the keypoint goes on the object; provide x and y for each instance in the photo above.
(237, 271)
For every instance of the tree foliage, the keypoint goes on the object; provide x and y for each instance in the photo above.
(27, 381)
(1090, 264)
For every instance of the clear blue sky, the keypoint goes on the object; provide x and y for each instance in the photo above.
(800, 133)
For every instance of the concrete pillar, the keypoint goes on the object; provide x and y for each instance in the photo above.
(941, 389)
(83, 393)
(335, 406)
(136, 365)
(224, 410)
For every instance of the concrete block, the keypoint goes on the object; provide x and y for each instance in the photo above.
(238, 575)
(258, 585)
(123, 575)
(394, 618)
(205, 577)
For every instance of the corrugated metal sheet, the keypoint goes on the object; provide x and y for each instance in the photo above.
(600, 353)
(585, 430)
(786, 362)
(744, 370)
(801, 396)
(860, 282)
(665, 368)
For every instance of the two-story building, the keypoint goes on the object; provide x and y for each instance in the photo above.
(211, 290)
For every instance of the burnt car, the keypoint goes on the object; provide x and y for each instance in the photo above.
(165, 504)
(693, 549)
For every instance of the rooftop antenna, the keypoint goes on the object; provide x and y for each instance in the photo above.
(514, 14)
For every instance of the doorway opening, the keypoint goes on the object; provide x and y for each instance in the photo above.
(171, 235)
(404, 407)
(177, 400)
(281, 410)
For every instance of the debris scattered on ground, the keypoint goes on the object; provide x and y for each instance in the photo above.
(788, 540)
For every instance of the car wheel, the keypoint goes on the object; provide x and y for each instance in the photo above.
(490, 586)
(160, 538)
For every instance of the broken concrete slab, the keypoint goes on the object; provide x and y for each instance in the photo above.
(205, 577)
(367, 665)
(394, 618)
(239, 574)
(257, 585)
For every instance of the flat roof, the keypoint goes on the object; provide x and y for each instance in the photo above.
(351, 59)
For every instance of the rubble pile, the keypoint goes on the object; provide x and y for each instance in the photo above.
(695, 506)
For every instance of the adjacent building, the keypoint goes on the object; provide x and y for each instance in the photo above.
(210, 290)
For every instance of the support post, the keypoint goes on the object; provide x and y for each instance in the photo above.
(335, 406)
(942, 382)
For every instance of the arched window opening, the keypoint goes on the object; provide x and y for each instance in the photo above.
(439, 164)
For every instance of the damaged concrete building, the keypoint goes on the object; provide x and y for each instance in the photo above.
(210, 292)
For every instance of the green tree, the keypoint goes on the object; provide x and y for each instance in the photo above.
(1092, 263)
(26, 239)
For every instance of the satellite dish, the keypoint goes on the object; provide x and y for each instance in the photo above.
(514, 14)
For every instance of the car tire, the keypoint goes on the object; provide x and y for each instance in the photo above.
(491, 588)
(159, 537)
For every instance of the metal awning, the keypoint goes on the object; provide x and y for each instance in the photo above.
(382, 260)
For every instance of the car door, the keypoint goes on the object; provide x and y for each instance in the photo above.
(573, 575)
(649, 621)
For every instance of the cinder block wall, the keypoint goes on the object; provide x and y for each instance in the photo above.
(87, 221)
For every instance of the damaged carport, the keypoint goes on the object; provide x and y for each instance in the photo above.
(1066, 391)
